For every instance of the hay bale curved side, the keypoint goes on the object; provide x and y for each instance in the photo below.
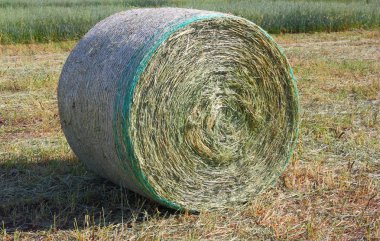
(193, 109)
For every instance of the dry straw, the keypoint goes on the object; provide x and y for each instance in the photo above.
(193, 109)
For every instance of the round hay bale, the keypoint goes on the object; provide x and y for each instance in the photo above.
(193, 109)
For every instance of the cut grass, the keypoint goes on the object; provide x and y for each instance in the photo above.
(330, 190)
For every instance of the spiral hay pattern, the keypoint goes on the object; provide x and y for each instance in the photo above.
(193, 109)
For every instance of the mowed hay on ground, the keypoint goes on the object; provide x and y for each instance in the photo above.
(193, 109)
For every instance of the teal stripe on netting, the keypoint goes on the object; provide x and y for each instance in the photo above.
(124, 122)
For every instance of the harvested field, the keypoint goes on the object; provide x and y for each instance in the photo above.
(330, 189)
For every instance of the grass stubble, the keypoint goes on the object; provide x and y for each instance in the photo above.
(330, 189)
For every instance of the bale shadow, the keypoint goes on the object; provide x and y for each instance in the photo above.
(62, 194)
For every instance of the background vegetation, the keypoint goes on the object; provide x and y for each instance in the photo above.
(23, 21)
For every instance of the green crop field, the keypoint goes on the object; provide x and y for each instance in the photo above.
(329, 191)
(25, 21)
